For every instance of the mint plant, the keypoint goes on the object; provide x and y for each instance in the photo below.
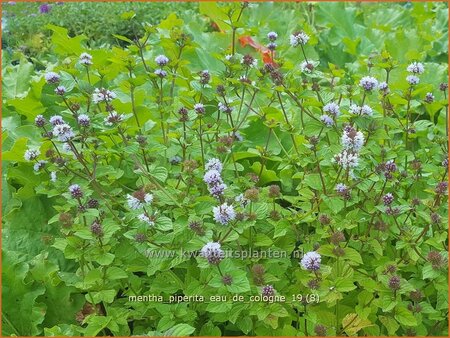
(246, 181)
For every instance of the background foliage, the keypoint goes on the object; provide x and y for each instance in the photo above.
(25, 25)
(47, 266)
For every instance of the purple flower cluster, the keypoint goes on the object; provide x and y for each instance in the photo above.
(332, 108)
(268, 291)
(429, 98)
(327, 120)
(389, 168)
(146, 219)
(224, 214)
(86, 59)
(103, 95)
(352, 139)
(347, 159)
(383, 87)
(311, 261)
(213, 177)
(412, 80)
(441, 188)
(97, 229)
(415, 68)
(45, 8)
(75, 191)
(272, 46)
(60, 90)
(39, 165)
(368, 83)
(308, 66)
(64, 132)
(249, 61)
(299, 38)
(272, 36)
(113, 118)
(388, 199)
(199, 108)
(52, 78)
(224, 108)
(243, 202)
(31, 154)
(212, 252)
(365, 110)
(84, 120)
(342, 190)
(331, 112)
(205, 77)
(162, 60)
(139, 199)
(160, 72)
(61, 129)
(394, 283)
(40, 121)
(392, 211)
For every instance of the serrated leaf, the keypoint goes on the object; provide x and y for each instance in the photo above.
(180, 330)
(405, 317)
(160, 173)
(352, 323)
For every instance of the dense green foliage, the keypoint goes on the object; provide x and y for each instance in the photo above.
(26, 27)
(124, 200)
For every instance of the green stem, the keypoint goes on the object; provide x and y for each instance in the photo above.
(200, 134)
(289, 125)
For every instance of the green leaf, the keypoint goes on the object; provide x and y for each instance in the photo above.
(281, 228)
(28, 106)
(278, 310)
(106, 296)
(313, 181)
(218, 307)
(352, 323)
(93, 276)
(104, 258)
(388, 303)
(240, 282)
(164, 223)
(96, 324)
(209, 329)
(263, 240)
(17, 151)
(180, 330)
(267, 176)
(376, 247)
(65, 45)
(16, 79)
(27, 225)
(216, 14)
(405, 317)
(344, 285)
(160, 173)
(245, 324)
(335, 204)
(390, 324)
(115, 273)
(428, 272)
(20, 309)
(353, 256)
(261, 210)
